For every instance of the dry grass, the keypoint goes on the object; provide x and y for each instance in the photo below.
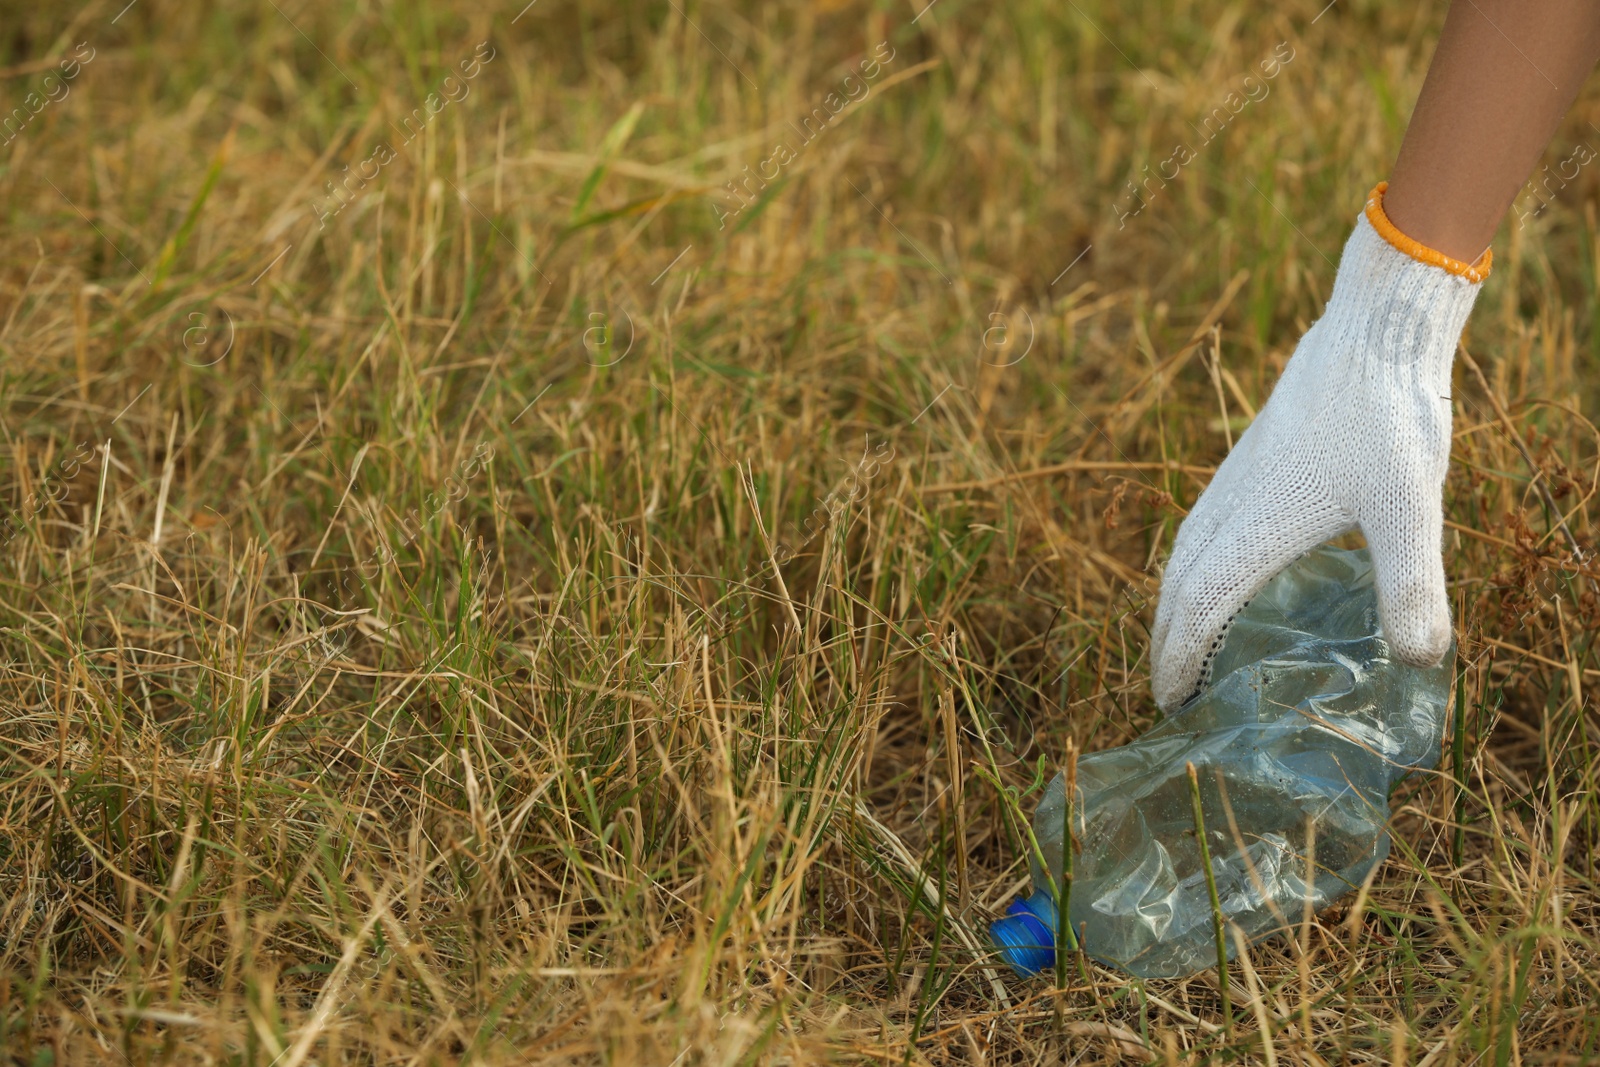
(408, 687)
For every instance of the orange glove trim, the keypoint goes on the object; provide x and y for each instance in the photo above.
(1472, 272)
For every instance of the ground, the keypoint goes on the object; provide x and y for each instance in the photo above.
(529, 533)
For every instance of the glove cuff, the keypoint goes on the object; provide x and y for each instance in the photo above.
(1472, 272)
(1396, 309)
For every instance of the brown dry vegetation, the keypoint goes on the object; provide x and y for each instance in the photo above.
(423, 681)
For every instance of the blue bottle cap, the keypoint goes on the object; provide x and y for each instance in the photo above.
(1026, 937)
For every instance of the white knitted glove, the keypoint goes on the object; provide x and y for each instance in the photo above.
(1356, 435)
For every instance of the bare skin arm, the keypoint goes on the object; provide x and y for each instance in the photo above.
(1504, 74)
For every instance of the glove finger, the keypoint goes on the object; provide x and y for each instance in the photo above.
(1408, 563)
(1196, 534)
(1198, 605)
(1219, 506)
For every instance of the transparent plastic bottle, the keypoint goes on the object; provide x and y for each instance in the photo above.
(1297, 741)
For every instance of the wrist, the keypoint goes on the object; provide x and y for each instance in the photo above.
(1396, 304)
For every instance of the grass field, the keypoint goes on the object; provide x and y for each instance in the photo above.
(530, 534)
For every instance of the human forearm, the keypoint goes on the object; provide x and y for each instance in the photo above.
(1504, 74)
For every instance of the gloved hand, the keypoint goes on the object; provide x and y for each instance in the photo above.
(1356, 435)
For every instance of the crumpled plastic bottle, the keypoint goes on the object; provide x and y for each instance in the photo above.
(1297, 741)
